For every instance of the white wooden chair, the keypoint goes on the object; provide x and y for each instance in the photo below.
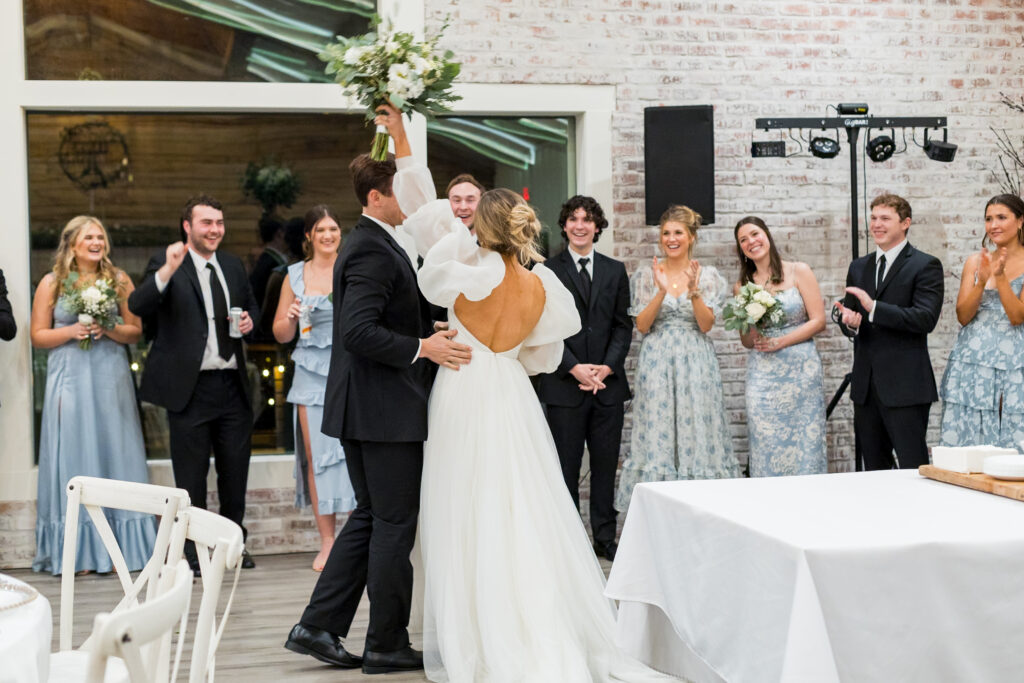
(95, 494)
(219, 546)
(116, 649)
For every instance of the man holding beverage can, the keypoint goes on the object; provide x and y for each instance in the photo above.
(196, 303)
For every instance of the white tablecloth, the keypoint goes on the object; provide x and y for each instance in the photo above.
(872, 576)
(25, 633)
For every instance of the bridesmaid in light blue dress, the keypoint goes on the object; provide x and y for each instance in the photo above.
(680, 428)
(983, 386)
(785, 396)
(321, 473)
(90, 422)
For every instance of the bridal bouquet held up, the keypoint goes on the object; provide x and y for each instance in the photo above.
(386, 66)
(752, 306)
(96, 303)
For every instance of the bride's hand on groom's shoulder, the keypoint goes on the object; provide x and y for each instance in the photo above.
(439, 348)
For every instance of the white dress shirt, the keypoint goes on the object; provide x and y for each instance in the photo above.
(590, 264)
(890, 258)
(409, 247)
(211, 354)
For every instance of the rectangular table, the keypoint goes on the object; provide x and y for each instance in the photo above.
(869, 576)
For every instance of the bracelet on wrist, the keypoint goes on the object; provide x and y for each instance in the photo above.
(695, 294)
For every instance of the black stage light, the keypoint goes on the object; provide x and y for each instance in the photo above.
(881, 148)
(940, 151)
(824, 148)
(852, 109)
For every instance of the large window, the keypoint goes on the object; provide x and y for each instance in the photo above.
(186, 40)
(135, 171)
(535, 156)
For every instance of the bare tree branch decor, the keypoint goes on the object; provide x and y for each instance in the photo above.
(1010, 173)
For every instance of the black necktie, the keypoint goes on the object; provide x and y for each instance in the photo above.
(220, 314)
(880, 276)
(585, 279)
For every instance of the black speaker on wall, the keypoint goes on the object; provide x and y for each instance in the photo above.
(679, 160)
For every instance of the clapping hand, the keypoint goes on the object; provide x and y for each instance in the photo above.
(693, 273)
(660, 278)
(1000, 265)
(848, 317)
(866, 302)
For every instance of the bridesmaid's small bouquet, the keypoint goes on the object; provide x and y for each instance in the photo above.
(753, 305)
(92, 304)
(386, 66)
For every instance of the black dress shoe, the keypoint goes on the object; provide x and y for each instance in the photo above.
(322, 645)
(406, 659)
(606, 549)
(247, 562)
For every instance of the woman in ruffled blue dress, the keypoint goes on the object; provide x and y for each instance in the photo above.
(680, 429)
(983, 386)
(90, 423)
(321, 474)
(785, 395)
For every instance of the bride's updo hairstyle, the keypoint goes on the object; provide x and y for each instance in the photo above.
(505, 223)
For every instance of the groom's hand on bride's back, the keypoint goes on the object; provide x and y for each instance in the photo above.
(440, 349)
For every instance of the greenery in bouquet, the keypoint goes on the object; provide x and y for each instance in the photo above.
(387, 66)
(271, 185)
(752, 306)
(92, 303)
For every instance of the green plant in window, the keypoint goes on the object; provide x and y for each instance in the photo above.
(271, 185)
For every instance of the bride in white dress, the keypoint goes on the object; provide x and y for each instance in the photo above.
(512, 589)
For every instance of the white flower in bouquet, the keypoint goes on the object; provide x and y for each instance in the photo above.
(752, 306)
(392, 67)
(86, 319)
(92, 297)
(755, 311)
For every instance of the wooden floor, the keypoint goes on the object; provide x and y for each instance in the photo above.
(268, 602)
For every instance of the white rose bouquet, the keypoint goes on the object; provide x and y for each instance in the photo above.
(95, 303)
(386, 66)
(753, 305)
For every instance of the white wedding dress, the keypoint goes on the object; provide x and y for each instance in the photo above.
(512, 589)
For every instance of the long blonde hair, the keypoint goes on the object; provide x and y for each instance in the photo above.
(505, 223)
(64, 261)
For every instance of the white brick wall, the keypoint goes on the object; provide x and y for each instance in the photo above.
(755, 58)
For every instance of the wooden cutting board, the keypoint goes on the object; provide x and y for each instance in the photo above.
(978, 482)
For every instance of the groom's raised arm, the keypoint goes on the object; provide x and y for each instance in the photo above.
(367, 292)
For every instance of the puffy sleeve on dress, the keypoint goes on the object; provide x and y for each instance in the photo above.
(713, 289)
(457, 265)
(641, 289)
(542, 350)
(428, 218)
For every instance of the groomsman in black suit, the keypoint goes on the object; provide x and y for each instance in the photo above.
(893, 300)
(195, 368)
(585, 397)
(376, 403)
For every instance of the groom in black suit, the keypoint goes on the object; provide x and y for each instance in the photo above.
(376, 403)
(585, 397)
(195, 368)
(894, 297)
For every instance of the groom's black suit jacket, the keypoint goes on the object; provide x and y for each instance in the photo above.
(894, 347)
(603, 338)
(375, 392)
(176, 321)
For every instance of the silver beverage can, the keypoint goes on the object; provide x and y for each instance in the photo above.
(235, 314)
(305, 321)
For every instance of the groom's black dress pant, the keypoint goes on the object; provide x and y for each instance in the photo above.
(881, 430)
(373, 548)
